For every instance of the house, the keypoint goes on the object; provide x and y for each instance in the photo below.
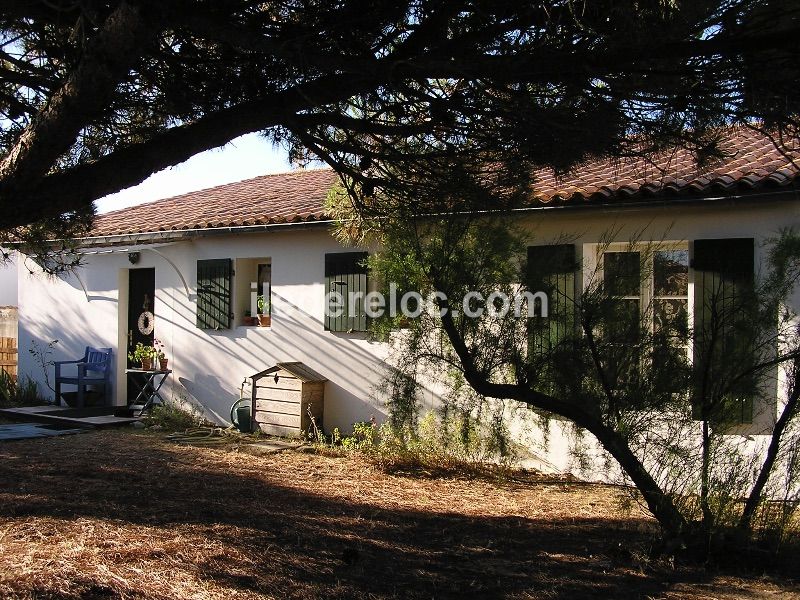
(186, 269)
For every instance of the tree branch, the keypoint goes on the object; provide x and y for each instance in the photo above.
(77, 187)
(85, 94)
(657, 501)
(789, 411)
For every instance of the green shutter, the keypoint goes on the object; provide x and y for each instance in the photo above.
(214, 293)
(346, 273)
(723, 319)
(551, 269)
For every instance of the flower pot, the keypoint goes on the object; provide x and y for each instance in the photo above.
(147, 364)
(251, 321)
(264, 320)
(162, 362)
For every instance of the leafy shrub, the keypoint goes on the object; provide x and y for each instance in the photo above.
(453, 444)
(364, 437)
(19, 392)
(173, 417)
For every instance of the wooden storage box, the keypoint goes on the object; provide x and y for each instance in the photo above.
(285, 397)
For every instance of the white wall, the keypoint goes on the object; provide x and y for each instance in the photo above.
(210, 366)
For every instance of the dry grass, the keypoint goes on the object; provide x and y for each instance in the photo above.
(130, 515)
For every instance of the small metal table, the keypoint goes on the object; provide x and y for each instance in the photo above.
(148, 382)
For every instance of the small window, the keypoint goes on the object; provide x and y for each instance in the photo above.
(551, 269)
(214, 294)
(253, 283)
(264, 289)
(346, 283)
(648, 291)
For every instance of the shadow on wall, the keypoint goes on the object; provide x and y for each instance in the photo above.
(209, 366)
(213, 373)
(71, 345)
(358, 408)
(208, 386)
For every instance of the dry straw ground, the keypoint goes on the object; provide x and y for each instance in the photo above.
(130, 515)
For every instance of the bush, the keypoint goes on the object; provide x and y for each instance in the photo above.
(453, 444)
(19, 392)
(173, 417)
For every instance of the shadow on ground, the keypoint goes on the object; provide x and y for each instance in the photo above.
(220, 524)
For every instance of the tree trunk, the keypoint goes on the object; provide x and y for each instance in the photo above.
(708, 517)
(754, 499)
(668, 516)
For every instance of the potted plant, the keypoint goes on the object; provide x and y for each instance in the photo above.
(249, 319)
(264, 319)
(163, 361)
(143, 355)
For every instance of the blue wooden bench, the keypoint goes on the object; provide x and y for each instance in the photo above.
(93, 371)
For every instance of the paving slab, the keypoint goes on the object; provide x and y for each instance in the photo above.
(74, 417)
(26, 431)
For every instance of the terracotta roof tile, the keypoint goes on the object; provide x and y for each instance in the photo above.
(287, 197)
(751, 163)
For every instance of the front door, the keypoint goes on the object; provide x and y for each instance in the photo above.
(141, 319)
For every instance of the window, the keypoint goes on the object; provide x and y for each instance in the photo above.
(648, 293)
(214, 294)
(264, 289)
(346, 279)
(253, 291)
(551, 269)
(671, 305)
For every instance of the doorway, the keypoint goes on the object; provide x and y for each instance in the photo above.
(141, 317)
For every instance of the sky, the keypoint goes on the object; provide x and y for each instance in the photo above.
(245, 157)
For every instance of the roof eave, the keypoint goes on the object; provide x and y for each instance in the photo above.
(151, 237)
(173, 235)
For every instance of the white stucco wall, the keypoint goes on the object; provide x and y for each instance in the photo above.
(209, 366)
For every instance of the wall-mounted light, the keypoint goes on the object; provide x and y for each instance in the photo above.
(133, 257)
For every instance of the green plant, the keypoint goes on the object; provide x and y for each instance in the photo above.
(364, 436)
(44, 358)
(142, 352)
(432, 444)
(7, 387)
(315, 434)
(263, 305)
(18, 392)
(173, 417)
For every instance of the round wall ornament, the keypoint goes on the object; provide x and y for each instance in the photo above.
(146, 322)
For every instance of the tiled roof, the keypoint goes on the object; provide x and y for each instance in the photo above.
(298, 196)
(751, 164)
